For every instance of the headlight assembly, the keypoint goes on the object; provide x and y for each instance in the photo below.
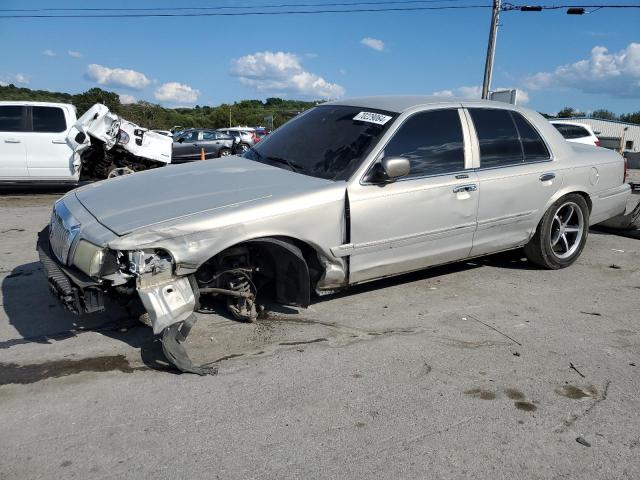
(88, 258)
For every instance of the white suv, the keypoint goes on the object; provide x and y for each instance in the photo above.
(576, 132)
(44, 143)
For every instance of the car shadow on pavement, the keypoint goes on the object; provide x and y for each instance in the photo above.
(39, 318)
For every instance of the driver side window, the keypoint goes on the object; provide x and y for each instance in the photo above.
(432, 141)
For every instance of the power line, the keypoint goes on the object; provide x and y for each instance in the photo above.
(206, 11)
(228, 7)
(250, 12)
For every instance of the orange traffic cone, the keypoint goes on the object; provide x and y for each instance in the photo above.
(202, 154)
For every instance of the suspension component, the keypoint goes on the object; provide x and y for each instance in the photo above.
(231, 274)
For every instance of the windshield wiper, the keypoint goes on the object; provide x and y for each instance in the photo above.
(291, 164)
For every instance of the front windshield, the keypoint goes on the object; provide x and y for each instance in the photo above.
(326, 141)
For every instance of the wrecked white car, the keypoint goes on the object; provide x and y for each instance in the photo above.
(345, 193)
(44, 143)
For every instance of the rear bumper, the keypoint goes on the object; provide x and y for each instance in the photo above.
(77, 292)
(609, 203)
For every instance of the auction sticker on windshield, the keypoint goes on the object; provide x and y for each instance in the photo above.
(372, 117)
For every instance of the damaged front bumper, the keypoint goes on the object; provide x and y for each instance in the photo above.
(169, 300)
(77, 292)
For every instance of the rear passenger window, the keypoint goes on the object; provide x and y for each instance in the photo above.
(532, 144)
(571, 131)
(432, 141)
(48, 119)
(497, 136)
(12, 118)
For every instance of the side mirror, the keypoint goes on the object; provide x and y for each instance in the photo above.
(395, 167)
(181, 139)
(389, 169)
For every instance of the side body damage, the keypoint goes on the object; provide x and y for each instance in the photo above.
(263, 247)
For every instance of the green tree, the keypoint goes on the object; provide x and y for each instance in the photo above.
(604, 114)
(631, 117)
(568, 112)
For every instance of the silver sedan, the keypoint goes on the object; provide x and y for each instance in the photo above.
(347, 192)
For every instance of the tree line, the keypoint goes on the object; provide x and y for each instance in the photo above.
(245, 112)
(569, 112)
(153, 116)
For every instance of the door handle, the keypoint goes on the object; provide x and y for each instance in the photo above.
(465, 188)
(11, 140)
(59, 141)
(545, 177)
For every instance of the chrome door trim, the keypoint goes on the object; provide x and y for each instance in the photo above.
(505, 220)
(350, 249)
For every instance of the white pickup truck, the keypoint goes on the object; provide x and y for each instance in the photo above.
(44, 143)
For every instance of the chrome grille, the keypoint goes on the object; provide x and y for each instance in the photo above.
(62, 231)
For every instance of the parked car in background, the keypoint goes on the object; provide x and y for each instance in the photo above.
(261, 133)
(576, 132)
(190, 144)
(44, 143)
(245, 137)
(345, 193)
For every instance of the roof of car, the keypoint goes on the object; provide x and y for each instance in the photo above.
(36, 104)
(400, 103)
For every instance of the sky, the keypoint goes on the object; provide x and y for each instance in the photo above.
(555, 60)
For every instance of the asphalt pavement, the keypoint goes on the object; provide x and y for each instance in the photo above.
(489, 368)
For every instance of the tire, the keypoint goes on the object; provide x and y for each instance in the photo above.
(224, 152)
(561, 234)
(241, 148)
(119, 171)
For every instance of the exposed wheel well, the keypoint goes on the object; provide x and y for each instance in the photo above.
(291, 266)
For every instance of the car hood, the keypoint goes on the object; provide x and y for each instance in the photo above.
(131, 202)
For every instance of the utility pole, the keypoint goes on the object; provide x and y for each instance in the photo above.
(491, 48)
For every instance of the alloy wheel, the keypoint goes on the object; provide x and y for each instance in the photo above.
(567, 229)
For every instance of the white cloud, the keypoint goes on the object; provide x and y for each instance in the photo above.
(49, 53)
(616, 74)
(21, 78)
(74, 54)
(281, 73)
(373, 43)
(17, 78)
(127, 99)
(117, 77)
(475, 91)
(176, 92)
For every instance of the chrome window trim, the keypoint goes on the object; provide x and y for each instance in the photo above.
(474, 138)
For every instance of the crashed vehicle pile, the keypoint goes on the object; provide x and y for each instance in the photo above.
(106, 145)
(347, 192)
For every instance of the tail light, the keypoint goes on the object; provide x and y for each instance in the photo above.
(255, 137)
(597, 142)
(624, 178)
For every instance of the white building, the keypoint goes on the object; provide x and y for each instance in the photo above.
(611, 132)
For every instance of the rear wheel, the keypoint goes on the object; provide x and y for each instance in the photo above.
(561, 234)
(225, 152)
